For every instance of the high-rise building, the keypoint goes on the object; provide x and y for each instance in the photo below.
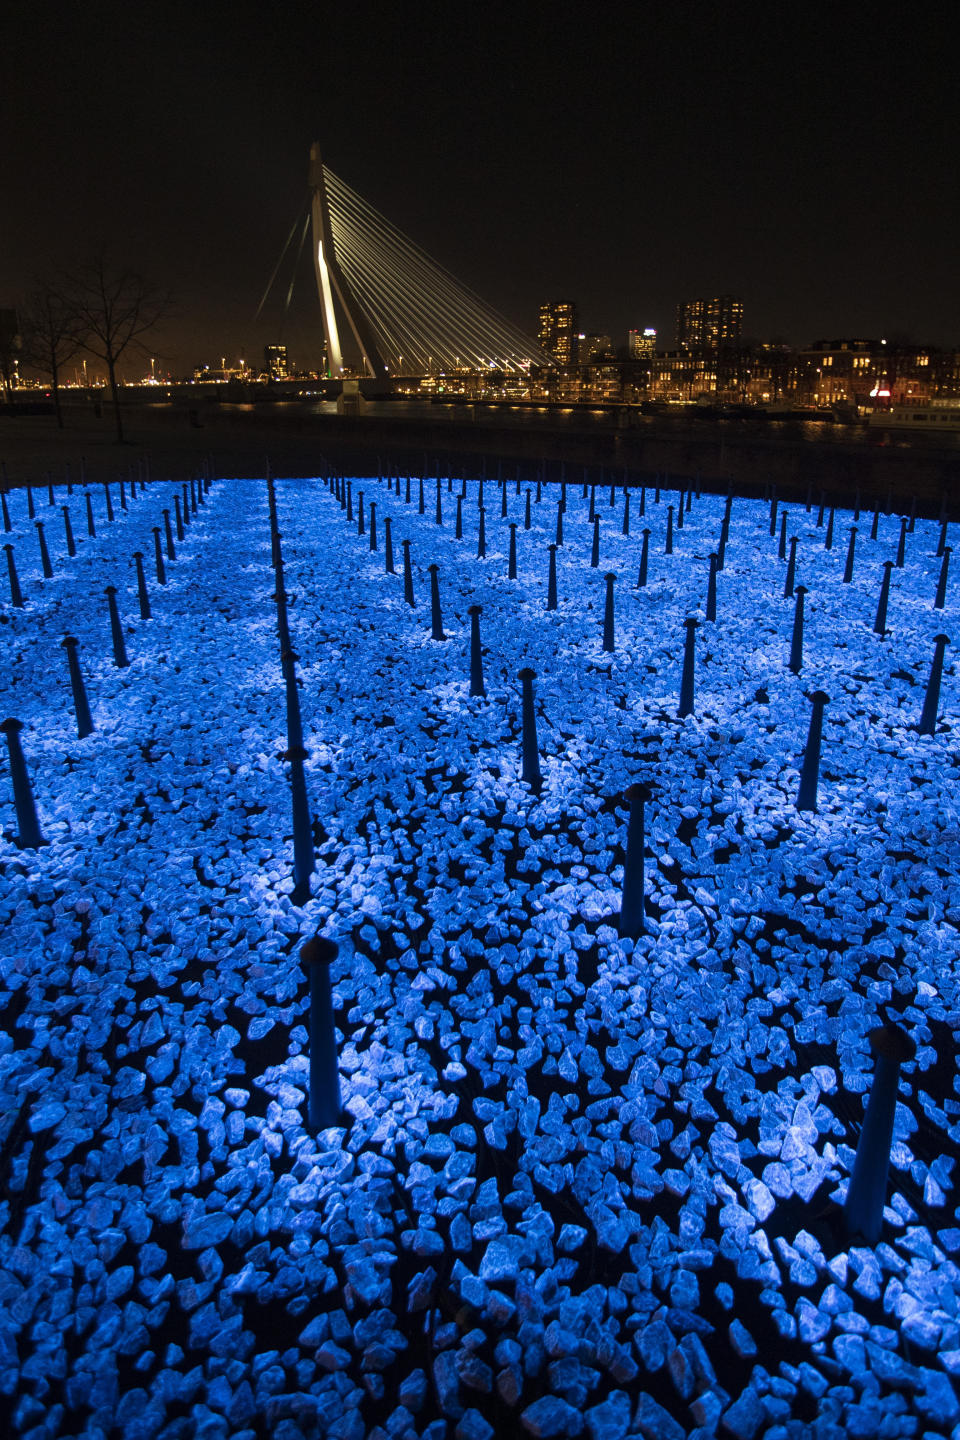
(557, 330)
(275, 361)
(711, 324)
(592, 347)
(641, 343)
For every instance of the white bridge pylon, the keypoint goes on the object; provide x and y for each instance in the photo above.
(408, 315)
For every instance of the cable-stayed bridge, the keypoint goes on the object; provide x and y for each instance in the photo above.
(407, 314)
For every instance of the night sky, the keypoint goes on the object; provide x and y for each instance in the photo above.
(627, 157)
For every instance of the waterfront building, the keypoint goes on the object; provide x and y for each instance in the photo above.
(715, 323)
(275, 361)
(641, 343)
(557, 330)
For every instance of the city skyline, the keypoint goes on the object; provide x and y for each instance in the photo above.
(675, 156)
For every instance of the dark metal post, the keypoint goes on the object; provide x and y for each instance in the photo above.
(503, 500)
(632, 918)
(526, 512)
(644, 556)
(866, 1195)
(531, 759)
(773, 514)
(559, 534)
(16, 594)
(608, 643)
(901, 543)
(791, 569)
(158, 556)
(875, 526)
(31, 511)
(29, 836)
(552, 578)
(7, 522)
(361, 523)
(116, 629)
(436, 620)
(373, 524)
(712, 587)
(796, 642)
(880, 620)
(304, 861)
(123, 492)
(782, 550)
(91, 527)
(316, 956)
(458, 531)
(439, 514)
(625, 529)
(388, 545)
(185, 507)
(476, 657)
(482, 536)
(80, 702)
(422, 503)
(810, 769)
(171, 552)
(668, 547)
(595, 550)
(686, 680)
(44, 552)
(142, 595)
(349, 502)
(512, 559)
(407, 573)
(931, 700)
(828, 538)
(851, 547)
(68, 531)
(941, 542)
(941, 596)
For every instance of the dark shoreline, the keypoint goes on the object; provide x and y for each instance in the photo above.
(241, 441)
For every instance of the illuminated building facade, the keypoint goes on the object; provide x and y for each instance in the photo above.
(275, 361)
(557, 330)
(641, 344)
(593, 347)
(710, 324)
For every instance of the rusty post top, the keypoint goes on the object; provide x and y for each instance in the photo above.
(892, 1043)
(638, 791)
(319, 951)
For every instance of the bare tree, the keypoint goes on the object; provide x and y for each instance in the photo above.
(52, 335)
(114, 308)
(10, 346)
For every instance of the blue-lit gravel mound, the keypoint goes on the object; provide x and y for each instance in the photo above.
(584, 1185)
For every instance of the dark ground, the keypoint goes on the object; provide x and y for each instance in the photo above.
(239, 441)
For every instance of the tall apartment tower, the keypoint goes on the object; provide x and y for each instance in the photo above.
(711, 324)
(642, 344)
(557, 330)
